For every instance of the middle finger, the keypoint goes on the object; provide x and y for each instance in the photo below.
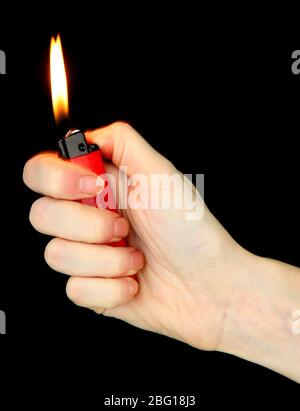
(77, 222)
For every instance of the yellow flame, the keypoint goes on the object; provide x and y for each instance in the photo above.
(59, 88)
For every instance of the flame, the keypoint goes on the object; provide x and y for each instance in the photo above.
(59, 87)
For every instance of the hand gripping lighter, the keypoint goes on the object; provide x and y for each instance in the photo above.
(74, 148)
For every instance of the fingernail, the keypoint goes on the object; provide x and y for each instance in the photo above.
(120, 227)
(132, 287)
(137, 262)
(91, 184)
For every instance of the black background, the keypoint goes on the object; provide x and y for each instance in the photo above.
(214, 98)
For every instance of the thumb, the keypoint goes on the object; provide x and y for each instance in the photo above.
(122, 145)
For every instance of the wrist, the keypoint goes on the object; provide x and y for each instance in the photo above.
(258, 324)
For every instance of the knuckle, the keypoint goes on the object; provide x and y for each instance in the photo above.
(37, 214)
(73, 290)
(27, 172)
(53, 253)
(121, 128)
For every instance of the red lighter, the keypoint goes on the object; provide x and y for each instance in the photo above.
(74, 148)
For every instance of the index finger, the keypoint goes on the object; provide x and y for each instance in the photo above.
(48, 174)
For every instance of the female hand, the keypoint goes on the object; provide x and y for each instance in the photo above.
(193, 281)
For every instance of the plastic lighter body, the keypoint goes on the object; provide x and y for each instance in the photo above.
(75, 149)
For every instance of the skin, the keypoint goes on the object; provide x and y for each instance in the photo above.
(192, 281)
